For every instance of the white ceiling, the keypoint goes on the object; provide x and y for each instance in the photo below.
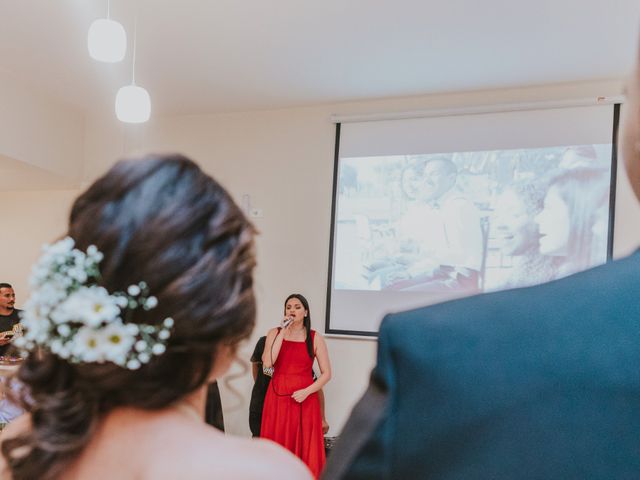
(197, 56)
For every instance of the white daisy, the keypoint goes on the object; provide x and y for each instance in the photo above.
(88, 345)
(117, 342)
(91, 306)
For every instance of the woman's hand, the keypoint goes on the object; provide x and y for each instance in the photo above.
(300, 395)
(286, 322)
(325, 425)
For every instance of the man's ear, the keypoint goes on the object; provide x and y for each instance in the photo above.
(630, 131)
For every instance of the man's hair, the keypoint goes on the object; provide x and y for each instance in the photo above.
(448, 165)
(5, 285)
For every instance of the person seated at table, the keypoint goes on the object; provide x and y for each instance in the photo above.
(9, 317)
(9, 410)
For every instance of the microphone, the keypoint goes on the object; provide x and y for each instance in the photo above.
(287, 322)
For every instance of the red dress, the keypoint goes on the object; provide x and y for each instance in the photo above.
(295, 426)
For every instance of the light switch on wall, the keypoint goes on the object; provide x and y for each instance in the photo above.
(255, 212)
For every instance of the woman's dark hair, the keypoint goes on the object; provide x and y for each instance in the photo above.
(161, 220)
(307, 320)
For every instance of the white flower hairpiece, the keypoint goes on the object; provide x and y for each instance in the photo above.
(73, 317)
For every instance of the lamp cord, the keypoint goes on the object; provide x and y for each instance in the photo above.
(273, 366)
(135, 41)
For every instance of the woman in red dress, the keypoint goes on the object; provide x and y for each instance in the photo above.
(291, 414)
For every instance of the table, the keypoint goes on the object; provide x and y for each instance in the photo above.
(8, 410)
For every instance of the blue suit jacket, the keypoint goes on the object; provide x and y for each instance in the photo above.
(534, 383)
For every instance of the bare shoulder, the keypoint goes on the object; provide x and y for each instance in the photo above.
(215, 455)
(272, 332)
(193, 451)
(318, 338)
(270, 460)
(16, 427)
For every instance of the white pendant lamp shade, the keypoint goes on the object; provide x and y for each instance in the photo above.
(133, 104)
(107, 41)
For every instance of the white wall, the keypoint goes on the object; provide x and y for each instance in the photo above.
(30, 219)
(284, 160)
(39, 131)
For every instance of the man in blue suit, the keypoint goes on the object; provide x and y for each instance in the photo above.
(533, 383)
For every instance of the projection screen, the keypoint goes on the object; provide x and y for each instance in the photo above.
(430, 209)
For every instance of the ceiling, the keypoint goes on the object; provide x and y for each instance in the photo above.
(205, 56)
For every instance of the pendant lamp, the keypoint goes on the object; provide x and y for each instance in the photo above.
(107, 40)
(133, 104)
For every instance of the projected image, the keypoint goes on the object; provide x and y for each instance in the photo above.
(470, 221)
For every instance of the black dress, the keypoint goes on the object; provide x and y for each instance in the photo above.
(259, 390)
(213, 410)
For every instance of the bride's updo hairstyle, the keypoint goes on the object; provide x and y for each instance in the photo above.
(161, 220)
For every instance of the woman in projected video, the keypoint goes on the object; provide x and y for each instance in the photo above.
(291, 415)
(573, 207)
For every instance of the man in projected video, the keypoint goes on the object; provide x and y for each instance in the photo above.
(440, 238)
